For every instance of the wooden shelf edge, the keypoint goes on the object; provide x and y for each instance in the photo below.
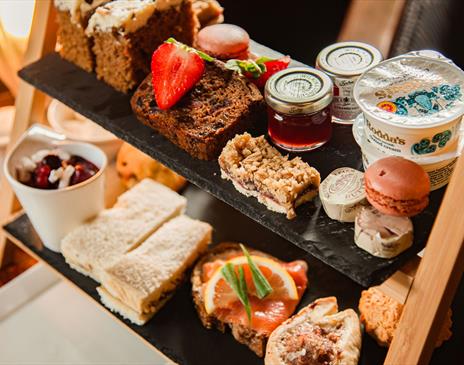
(435, 283)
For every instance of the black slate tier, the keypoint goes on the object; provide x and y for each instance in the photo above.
(328, 240)
(176, 329)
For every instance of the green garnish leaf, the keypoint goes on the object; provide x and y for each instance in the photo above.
(263, 288)
(248, 67)
(263, 59)
(243, 288)
(203, 55)
(238, 285)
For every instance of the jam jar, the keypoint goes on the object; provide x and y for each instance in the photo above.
(298, 105)
(344, 62)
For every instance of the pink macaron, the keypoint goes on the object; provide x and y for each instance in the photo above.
(224, 41)
(397, 186)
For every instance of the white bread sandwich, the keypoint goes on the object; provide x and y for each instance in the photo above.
(142, 280)
(137, 214)
(219, 306)
(317, 334)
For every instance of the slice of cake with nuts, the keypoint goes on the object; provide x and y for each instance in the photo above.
(258, 169)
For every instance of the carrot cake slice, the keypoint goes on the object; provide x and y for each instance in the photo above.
(126, 32)
(72, 18)
(258, 169)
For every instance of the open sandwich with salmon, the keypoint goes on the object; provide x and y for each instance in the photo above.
(247, 290)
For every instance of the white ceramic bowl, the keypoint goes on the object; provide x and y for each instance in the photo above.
(439, 167)
(76, 127)
(413, 105)
(54, 213)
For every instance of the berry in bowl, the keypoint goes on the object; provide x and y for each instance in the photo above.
(54, 169)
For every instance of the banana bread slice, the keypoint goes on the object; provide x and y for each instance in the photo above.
(221, 105)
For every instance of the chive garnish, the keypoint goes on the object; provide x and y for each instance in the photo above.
(238, 282)
(238, 285)
(243, 288)
(263, 288)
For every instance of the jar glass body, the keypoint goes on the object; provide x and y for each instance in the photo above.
(299, 132)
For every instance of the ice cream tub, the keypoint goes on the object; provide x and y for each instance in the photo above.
(439, 167)
(413, 105)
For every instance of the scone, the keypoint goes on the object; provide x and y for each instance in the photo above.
(381, 314)
(133, 166)
(317, 334)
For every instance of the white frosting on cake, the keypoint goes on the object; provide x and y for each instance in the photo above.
(126, 15)
(78, 8)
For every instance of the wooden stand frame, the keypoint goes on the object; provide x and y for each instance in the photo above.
(30, 103)
(438, 274)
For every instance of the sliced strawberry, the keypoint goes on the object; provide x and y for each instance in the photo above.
(175, 70)
(272, 67)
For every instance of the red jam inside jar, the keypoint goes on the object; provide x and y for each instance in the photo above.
(299, 117)
(300, 132)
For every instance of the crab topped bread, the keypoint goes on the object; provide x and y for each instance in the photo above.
(247, 290)
(317, 335)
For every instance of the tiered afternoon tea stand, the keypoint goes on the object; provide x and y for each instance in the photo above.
(427, 295)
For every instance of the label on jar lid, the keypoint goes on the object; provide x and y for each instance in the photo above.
(342, 194)
(413, 91)
(298, 90)
(348, 58)
(299, 86)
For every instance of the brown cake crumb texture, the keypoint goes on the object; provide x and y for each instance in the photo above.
(123, 60)
(74, 45)
(222, 104)
(255, 165)
(381, 314)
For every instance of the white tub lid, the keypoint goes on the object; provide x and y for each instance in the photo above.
(412, 91)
